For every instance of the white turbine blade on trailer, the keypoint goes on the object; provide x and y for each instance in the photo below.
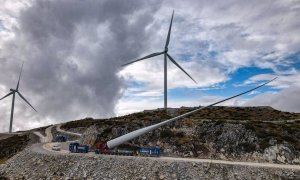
(26, 101)
(134, 134)
(169, 32)
(180, 67)
(7, 95)
(146, 57)
(20, 76)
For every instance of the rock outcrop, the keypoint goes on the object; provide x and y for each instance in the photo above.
(89, 137)
(281, 153)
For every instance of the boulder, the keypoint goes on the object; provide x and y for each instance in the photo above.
(281, 153)
(89, 136)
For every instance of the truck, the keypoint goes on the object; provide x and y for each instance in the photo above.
(101, 148)
(149, 151)
(61, 138)
(77, 148)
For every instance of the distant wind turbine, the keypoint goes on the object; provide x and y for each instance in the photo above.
(13, 92)
(166, 55)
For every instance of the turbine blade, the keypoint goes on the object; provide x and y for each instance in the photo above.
(7, 95)
(20, 77)
(239, 94)
(146, 57)
(134, 134)
(26, 101)
(180, 67)
(169, 33)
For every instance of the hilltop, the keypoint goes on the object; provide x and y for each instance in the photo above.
(259, 120)
(263, 113)
(243, 133)
(249, 134)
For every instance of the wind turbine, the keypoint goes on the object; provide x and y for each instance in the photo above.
(13, 92)
(166, 56)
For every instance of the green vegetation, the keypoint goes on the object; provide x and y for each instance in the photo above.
(248, 147)
(166, 133)
(241, 113)
(11, 145)
(180, 134)
(281, 132)
(182, 140)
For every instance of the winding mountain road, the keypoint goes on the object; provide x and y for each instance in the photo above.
(58, 128)
(42, 137)
(45, 139)
(46, 148)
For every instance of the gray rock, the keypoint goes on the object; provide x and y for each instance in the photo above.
(89, 136)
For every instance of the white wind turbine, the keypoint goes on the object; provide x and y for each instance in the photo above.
(166, 55)
(13, 92)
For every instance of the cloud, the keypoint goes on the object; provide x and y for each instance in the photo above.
(282, 81)
(150, 73)
(241, 32)
(130, 105)
(220, 38)
(72, 52)
(286, 100)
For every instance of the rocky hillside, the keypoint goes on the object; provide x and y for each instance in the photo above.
(251, 134)
(12, 144)
(239, 133)
(32, 165)
(231, 133)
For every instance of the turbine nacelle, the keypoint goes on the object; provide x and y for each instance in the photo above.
(13, 90)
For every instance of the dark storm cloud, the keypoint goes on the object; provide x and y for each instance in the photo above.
(73, 50)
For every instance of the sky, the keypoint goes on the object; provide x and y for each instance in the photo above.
(73, 52)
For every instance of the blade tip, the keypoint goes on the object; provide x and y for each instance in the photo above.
(273, 79)
(126, 64)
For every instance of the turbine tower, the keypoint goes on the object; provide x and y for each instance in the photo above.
(13, 92)
(166, 56)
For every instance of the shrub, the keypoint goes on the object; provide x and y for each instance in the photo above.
(166, 133)
(188, 122)
(182, 140)
(180, 134)
(264, 144)
(248, 147)
(297, 147)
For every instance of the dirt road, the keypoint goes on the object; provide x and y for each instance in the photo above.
(45, 139)
(66, 132)
(46, 148)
